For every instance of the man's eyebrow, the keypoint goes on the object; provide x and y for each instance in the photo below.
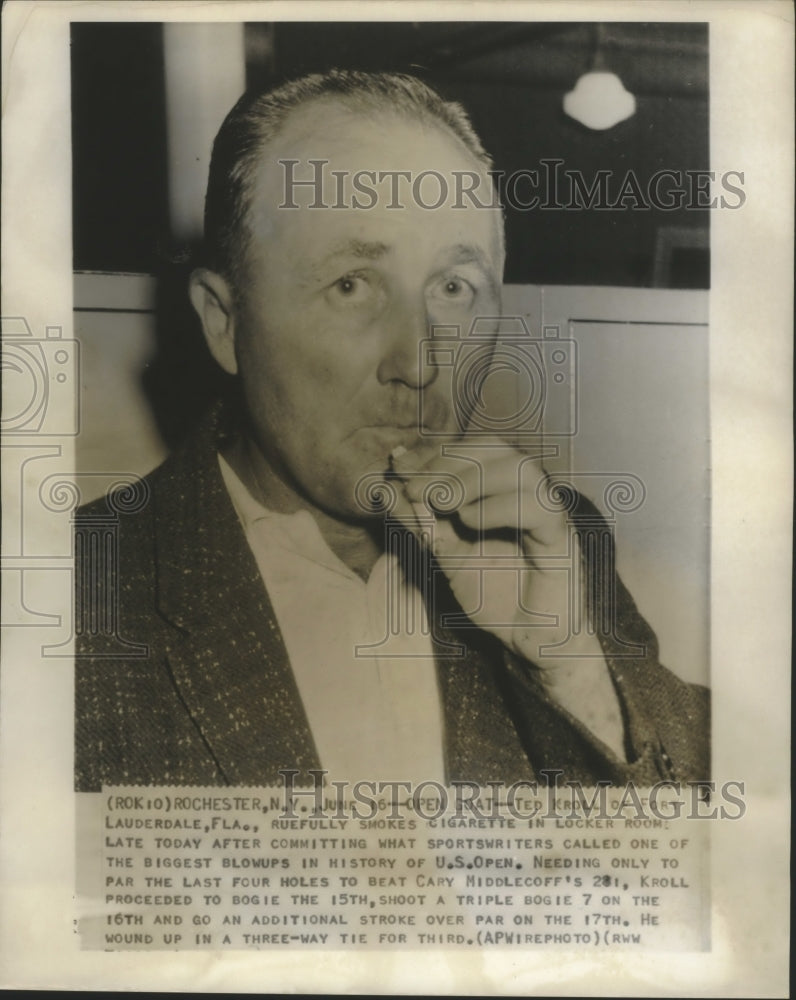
(467, 253)
(362, 249)
(314, 270)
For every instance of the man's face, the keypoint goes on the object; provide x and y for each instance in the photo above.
(336, 301)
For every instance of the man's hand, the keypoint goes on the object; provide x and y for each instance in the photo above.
(509, 559)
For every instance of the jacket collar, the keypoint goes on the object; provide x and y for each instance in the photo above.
(227, 655)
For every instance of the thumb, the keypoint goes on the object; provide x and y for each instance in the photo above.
(414, 515)
(414, 512)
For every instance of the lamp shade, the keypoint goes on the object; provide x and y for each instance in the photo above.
(599, 100)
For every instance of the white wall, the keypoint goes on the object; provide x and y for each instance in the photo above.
(115, 326)
(642, 410)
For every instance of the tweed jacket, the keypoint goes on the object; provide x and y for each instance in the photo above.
(183, 678)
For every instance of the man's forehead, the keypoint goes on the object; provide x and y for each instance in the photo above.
(351, 139)
(316, 237)
(331, 160)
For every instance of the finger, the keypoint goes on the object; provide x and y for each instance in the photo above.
(438, 533)
(414, 516)
(440, 484)
(476, 471)
(507, 472)
(446, 541)
(510, 511)
(403, 461)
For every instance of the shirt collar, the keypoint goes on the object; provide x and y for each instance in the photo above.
(298, 532)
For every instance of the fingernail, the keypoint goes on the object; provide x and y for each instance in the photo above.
(401, 459)
(397, 456)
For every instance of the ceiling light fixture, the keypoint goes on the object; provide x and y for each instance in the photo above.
(599, 99)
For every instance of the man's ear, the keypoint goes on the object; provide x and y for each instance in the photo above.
(212, 299)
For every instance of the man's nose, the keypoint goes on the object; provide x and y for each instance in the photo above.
(406, 327)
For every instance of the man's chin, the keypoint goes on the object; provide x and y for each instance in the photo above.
(376, 491)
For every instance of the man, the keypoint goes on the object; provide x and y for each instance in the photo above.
(296, 595)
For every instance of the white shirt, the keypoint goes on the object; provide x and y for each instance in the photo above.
(368, 684)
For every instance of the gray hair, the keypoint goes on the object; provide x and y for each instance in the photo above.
(257, 119)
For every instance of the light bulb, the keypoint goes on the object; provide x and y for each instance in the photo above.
(599, 100)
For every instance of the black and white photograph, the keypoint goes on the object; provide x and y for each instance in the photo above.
(369, 575)
(373, 504)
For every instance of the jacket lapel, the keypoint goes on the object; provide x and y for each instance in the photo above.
(226, 654)
(481, 741)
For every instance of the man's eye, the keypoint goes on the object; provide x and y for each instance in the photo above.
(454, 289)
(352, 287)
